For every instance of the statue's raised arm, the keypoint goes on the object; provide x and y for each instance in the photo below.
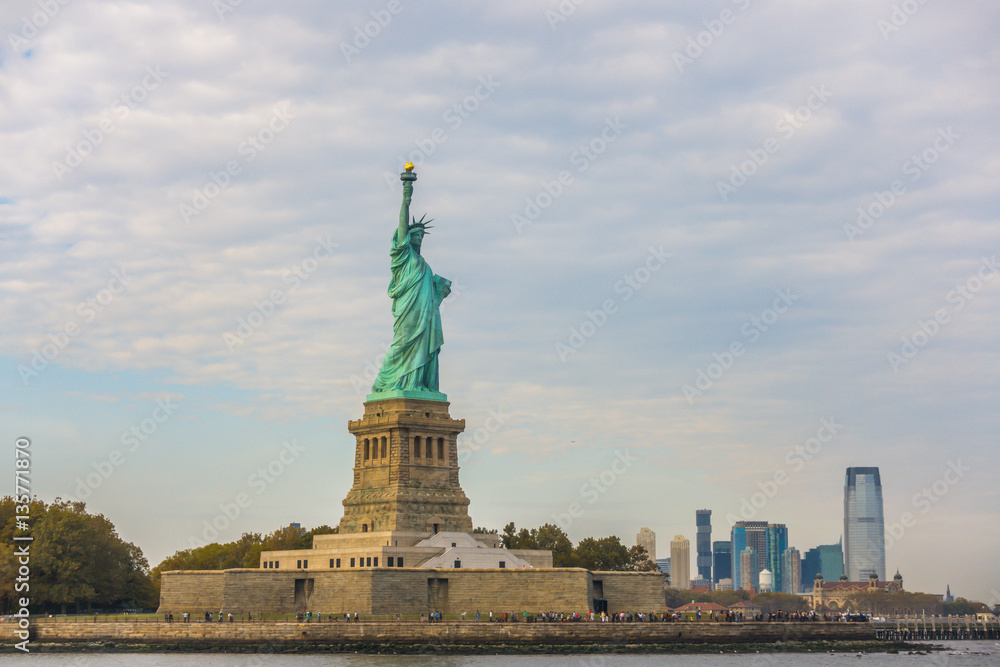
(411, 364)
(403, 231)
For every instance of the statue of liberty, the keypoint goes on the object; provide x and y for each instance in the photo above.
(411, 364)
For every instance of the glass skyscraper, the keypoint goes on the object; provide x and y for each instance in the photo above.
(703, 543)
(753, 535)
(827, 560)
(722, 554)
(864, 525)
(791, 569)
(777, 542)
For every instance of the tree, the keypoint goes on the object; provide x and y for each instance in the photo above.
(77, 558)
(639, 560)
(306, 541)
(549, 537)
(881, 603)
(677, 597)
(868, 602)
(552, 538)
(606, 553)
(62, 559)
(729, 598)
(960, 607)
(287, 538)
(509, 537)
(243, 553)
(771, 602)
(139, 584)
(9, 510)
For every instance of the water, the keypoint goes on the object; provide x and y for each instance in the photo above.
(958, 654)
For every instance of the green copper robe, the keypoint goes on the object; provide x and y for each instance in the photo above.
(412, 361)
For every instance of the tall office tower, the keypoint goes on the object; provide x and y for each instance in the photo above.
(703, 544)
(864, 525)
(827, 560)
(777, 542)
(722, 565)
(647, 540)
(680, 562)
(791, 567)
(751, 534)
(664, 565)
(748, 564)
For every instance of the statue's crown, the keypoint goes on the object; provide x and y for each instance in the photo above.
(420, 224)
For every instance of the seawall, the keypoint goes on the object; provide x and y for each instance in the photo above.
(464, 633)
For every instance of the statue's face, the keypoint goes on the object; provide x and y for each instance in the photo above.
(417, 237)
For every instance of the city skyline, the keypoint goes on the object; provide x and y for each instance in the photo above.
(763, 545)
(694, 264)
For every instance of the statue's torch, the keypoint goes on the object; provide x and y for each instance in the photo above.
(408, 176)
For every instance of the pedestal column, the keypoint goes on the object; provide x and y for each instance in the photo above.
(406, 469)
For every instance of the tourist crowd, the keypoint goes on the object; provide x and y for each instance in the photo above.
(575, 617)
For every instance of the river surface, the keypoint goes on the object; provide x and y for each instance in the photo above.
(958, 654)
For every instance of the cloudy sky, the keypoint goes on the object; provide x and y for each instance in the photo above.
(735, 246)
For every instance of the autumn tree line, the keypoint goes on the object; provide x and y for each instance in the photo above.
(591, 553)
(79, 563)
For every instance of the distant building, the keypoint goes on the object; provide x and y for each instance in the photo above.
(833, 594)
(664, 565)
(826, 560)
(724, 584)
(864, 524)
(680, 562)
(947, 594)
(752, 535)
(700, 584)
(703, 543)
(647, 540)
(706, 609)
(722, 565)
(791, 568)
(748, 565)
(777, 542)
(747, 608)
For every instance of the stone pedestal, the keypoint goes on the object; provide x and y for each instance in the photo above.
(406, 469)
